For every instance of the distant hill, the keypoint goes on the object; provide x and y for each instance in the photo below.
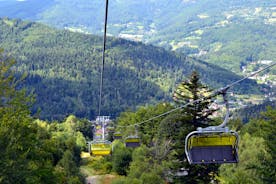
(228, 33)
(63, 69)
(24, 9)
(253, 111)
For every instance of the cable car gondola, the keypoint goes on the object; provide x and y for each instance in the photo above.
(117, 135)
(132, 141)
(214, 144)
(101, 148)
(212, 147)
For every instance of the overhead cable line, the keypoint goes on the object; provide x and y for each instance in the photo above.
(103, 58)
(217, 92)
(251, 75)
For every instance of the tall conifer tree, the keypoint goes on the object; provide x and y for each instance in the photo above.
(178, 125)
(193, 90)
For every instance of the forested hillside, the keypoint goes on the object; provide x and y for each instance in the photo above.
(35, 151)
(161, 157)
(253, 111)
(63, 69)
(228, 33)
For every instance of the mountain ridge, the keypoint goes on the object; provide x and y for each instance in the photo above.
(229, 33)
(67, 65)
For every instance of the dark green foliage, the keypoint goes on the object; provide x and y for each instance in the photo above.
(193, 90)
(63, 70)
(102, 165)
(84, 126)
(68, 164)
(146, 131)
(121, 158)
(20, 163)
(265, 127)
(253, 111)
(162, 154)
(165, 157)
(256, 152)
(126, 181)
(174, 129)
(176, 126)
(33, 151)
(143, 167)
(151, 178)
(227, 33)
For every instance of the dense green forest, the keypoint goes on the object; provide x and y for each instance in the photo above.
(253, 111)
(49, 89)
(161, 157)
(151, 163)
(228, 33)
(33, 151)
(62, 69)
(36, 151)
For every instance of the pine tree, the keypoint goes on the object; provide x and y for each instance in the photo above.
(192, 90)
(176, 126)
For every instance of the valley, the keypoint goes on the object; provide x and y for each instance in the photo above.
(171, 68)
(66, 65)
(230, 34)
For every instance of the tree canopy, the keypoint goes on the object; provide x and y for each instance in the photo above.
(32, 151)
